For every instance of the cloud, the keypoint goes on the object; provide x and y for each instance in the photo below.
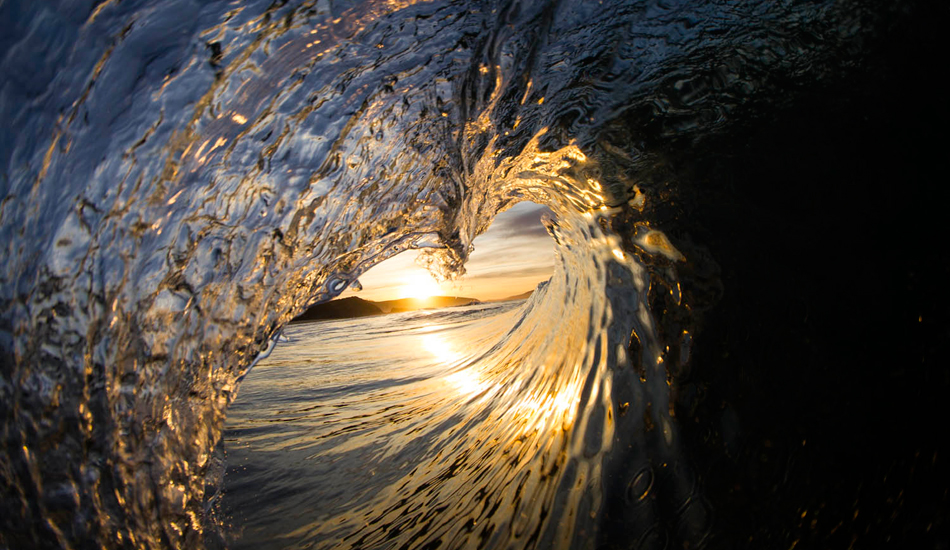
(521, 221)
(534, 271)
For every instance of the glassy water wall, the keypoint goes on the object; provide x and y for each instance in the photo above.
(355, 409)
(742, 343)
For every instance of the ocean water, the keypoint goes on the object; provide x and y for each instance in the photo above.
(743, 344)
(340, 423)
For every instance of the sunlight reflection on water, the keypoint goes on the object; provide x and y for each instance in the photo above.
(405, 399)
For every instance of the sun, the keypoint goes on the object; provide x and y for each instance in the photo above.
(420, 286)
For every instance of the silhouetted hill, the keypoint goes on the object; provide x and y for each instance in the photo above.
(522, 296)
(348, 308)
(432, 302)
(344, 308)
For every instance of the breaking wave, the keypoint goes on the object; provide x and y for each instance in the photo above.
(183, 178)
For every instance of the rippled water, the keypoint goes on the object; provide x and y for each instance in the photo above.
(179, 179)
(347, 419)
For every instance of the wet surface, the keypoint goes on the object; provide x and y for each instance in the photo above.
(749, 223)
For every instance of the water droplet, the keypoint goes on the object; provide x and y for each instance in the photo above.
(695, 521)
(639, 487)
(337, 286)
(654, 539)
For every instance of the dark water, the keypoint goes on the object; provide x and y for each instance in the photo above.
(746, 332)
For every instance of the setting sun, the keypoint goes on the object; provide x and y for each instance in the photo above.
(510, 258)
(420, 286)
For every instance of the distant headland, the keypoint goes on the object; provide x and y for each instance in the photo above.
(352, 307)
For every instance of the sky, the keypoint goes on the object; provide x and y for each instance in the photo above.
(511, 257)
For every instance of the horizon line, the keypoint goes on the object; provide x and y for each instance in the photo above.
(434, 296)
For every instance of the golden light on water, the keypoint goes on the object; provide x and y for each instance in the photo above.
(439, 347)
(466, 381)
(552, 408)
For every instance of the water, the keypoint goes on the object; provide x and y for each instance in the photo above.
(340, 424)
(746, 295)
(483, 414)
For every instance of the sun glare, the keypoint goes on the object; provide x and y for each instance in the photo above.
(420, 286)
(507, 261)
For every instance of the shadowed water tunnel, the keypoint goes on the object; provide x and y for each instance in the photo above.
(742, 343)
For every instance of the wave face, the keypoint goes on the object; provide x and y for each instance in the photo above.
(180, 179)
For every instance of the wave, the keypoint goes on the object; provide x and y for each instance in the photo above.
(182, 179)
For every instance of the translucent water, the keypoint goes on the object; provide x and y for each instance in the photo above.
(179, 179)
(341, 424)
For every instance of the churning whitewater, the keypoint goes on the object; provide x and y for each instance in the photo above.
(183, 178)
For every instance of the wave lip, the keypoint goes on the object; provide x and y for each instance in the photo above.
(502, 436)
(181, 180)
